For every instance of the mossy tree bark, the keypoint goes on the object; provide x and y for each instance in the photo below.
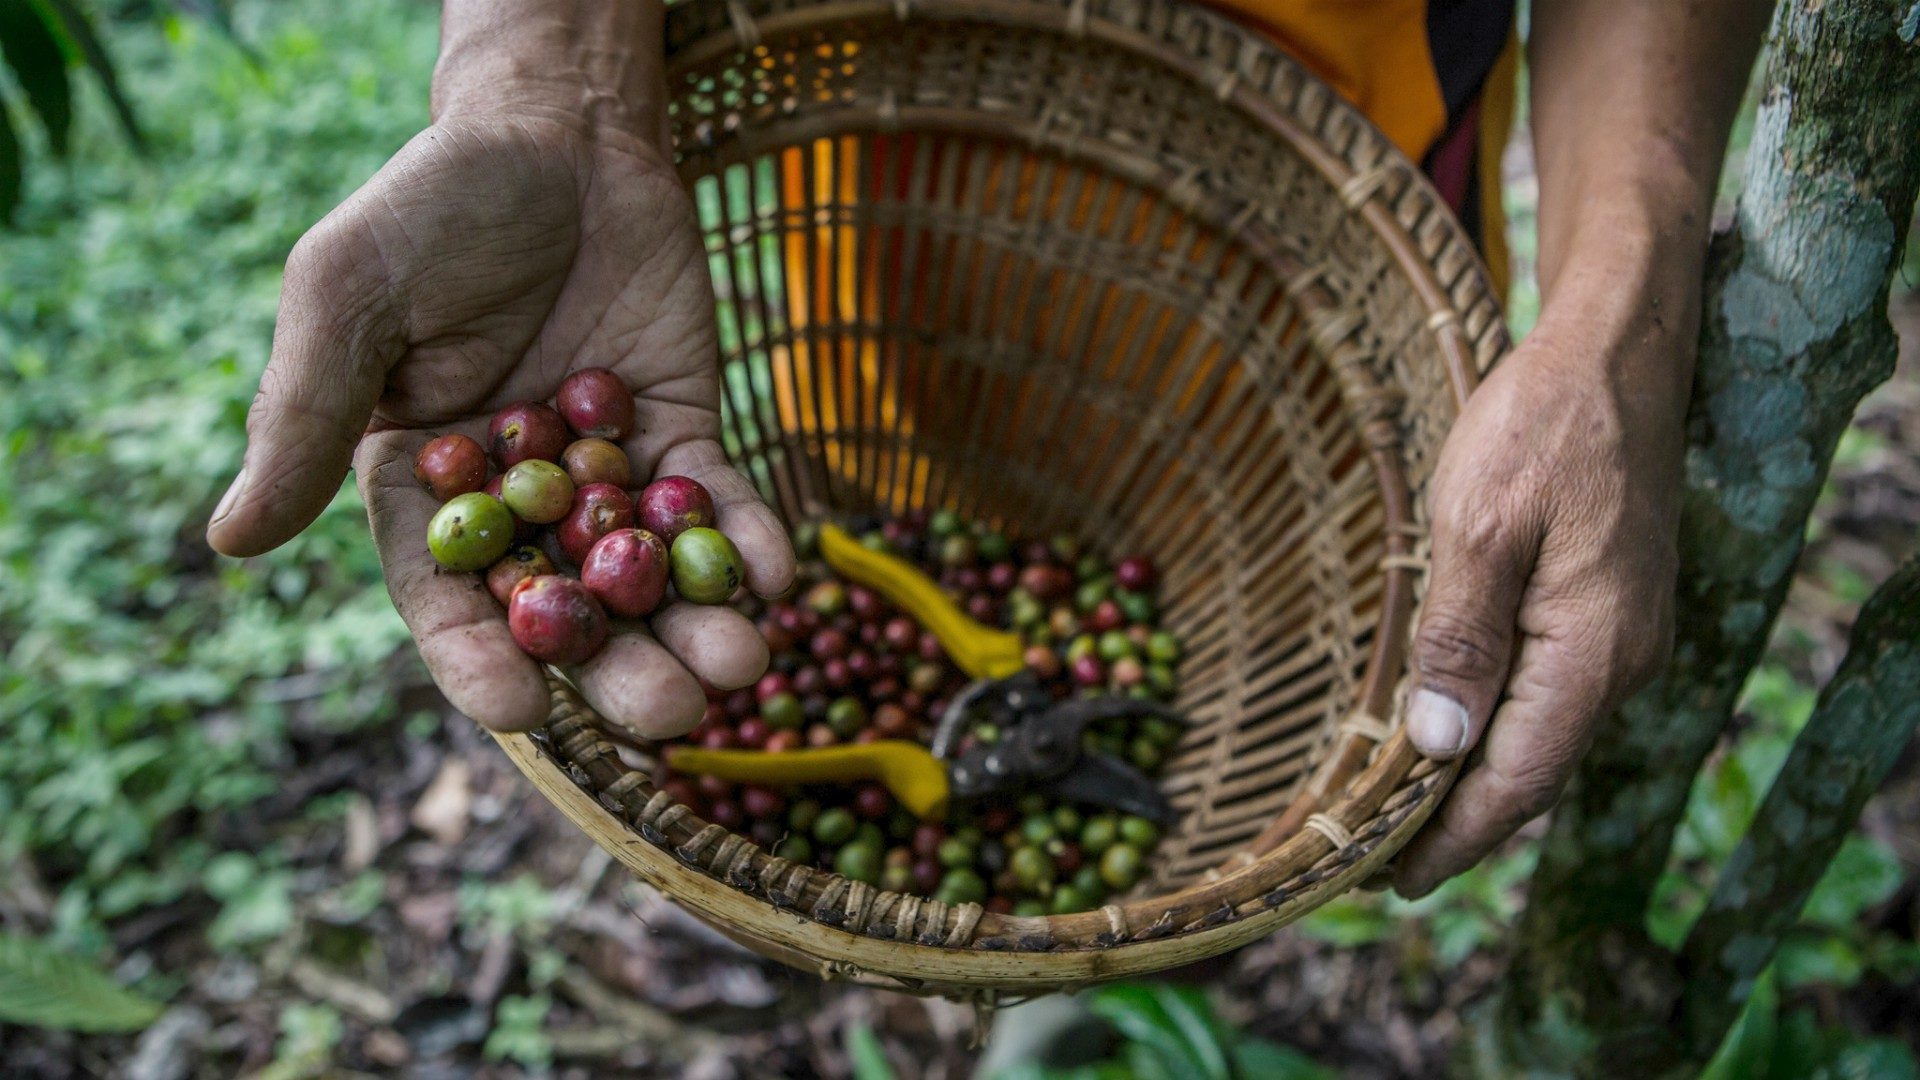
(1794, 333)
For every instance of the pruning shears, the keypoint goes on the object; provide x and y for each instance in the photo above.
(1038, 743)
(1036, 740)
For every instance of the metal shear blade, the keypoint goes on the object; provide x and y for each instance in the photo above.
(1040, 743)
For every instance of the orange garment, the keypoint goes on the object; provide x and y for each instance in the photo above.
(1427, 73)
(1374, 52)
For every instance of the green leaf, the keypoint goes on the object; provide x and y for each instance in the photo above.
(864, 1052)
(1748, 1046)
(43, 987)
(1194, 1018)
(1818, 959)
(39, 67)
(1258, 1059)
(1873, 1059)
(1863, 874)
(70, 23)
(1140, 1012)
(9, 165)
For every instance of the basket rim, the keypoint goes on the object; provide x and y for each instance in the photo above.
(1247, 898)
(912, 966)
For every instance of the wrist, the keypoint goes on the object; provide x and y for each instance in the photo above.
(585, 63)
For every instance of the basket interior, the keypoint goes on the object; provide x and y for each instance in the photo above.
(1033, 279)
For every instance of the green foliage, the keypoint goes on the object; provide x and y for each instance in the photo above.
(1173, 1033)
(519, 1031)
(309, 1035)
(865, 1054)
(1469, 913)
(1771, 1042)
(43, 987)
(1831, 946)
(39, 40)
(149, 688)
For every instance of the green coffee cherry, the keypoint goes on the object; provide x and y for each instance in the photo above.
(470, 532)
(835, 826)
(1139, 832)
(1120, 867)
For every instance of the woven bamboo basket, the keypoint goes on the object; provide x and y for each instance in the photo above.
(1117, 267)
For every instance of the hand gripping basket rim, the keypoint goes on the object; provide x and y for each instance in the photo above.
(1381, 791)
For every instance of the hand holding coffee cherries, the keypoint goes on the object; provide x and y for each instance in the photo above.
(494, 258)
(495, 524)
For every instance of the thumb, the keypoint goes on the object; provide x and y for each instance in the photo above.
(336, 335)
(1463, 646)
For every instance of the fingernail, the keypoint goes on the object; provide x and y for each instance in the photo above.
(1437, 724)
(232, 496)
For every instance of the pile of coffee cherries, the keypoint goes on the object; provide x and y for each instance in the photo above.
(562, 541)
(848, 667)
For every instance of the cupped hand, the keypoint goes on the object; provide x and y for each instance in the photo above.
(1555, 514)
(493, 256)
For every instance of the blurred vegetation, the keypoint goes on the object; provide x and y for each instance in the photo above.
(151, 693)
(147, 688)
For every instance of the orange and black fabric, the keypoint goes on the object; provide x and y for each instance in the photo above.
(1437, 76)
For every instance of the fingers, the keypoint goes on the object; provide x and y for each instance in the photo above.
(1464, 644)
(461, 629)
(332, 345)
(747, 521)
(1557, 696)
(636, 683)
(718, 644)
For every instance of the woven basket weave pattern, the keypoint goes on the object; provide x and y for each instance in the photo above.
(1118, 268)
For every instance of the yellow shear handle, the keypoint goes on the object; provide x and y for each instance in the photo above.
(917, 779)
(980, 651)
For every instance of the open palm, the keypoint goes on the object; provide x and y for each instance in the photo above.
(488, 260)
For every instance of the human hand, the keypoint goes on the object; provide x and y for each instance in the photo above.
(500, 250)
(1555, 513)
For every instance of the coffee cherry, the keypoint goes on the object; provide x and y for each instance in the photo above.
(777, 637)
(524, 432)
(1121, 866)
(517, 565)
(783, 711)
(828, 644)
(724, 813)
(871, 801)
(1135, 574)
(706, 566)
(470, 532)
(863, 602)
(753, 733)
(537, 491)
(892, 722)
(626, 570)
(596, 404)
(1088, 671)
(451, 465)
(556, 620)
(770, 684)
(597, 510)
(673, 504)
(597, 461)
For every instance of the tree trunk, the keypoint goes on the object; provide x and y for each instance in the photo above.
(1794, 333)
(1865, 717)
